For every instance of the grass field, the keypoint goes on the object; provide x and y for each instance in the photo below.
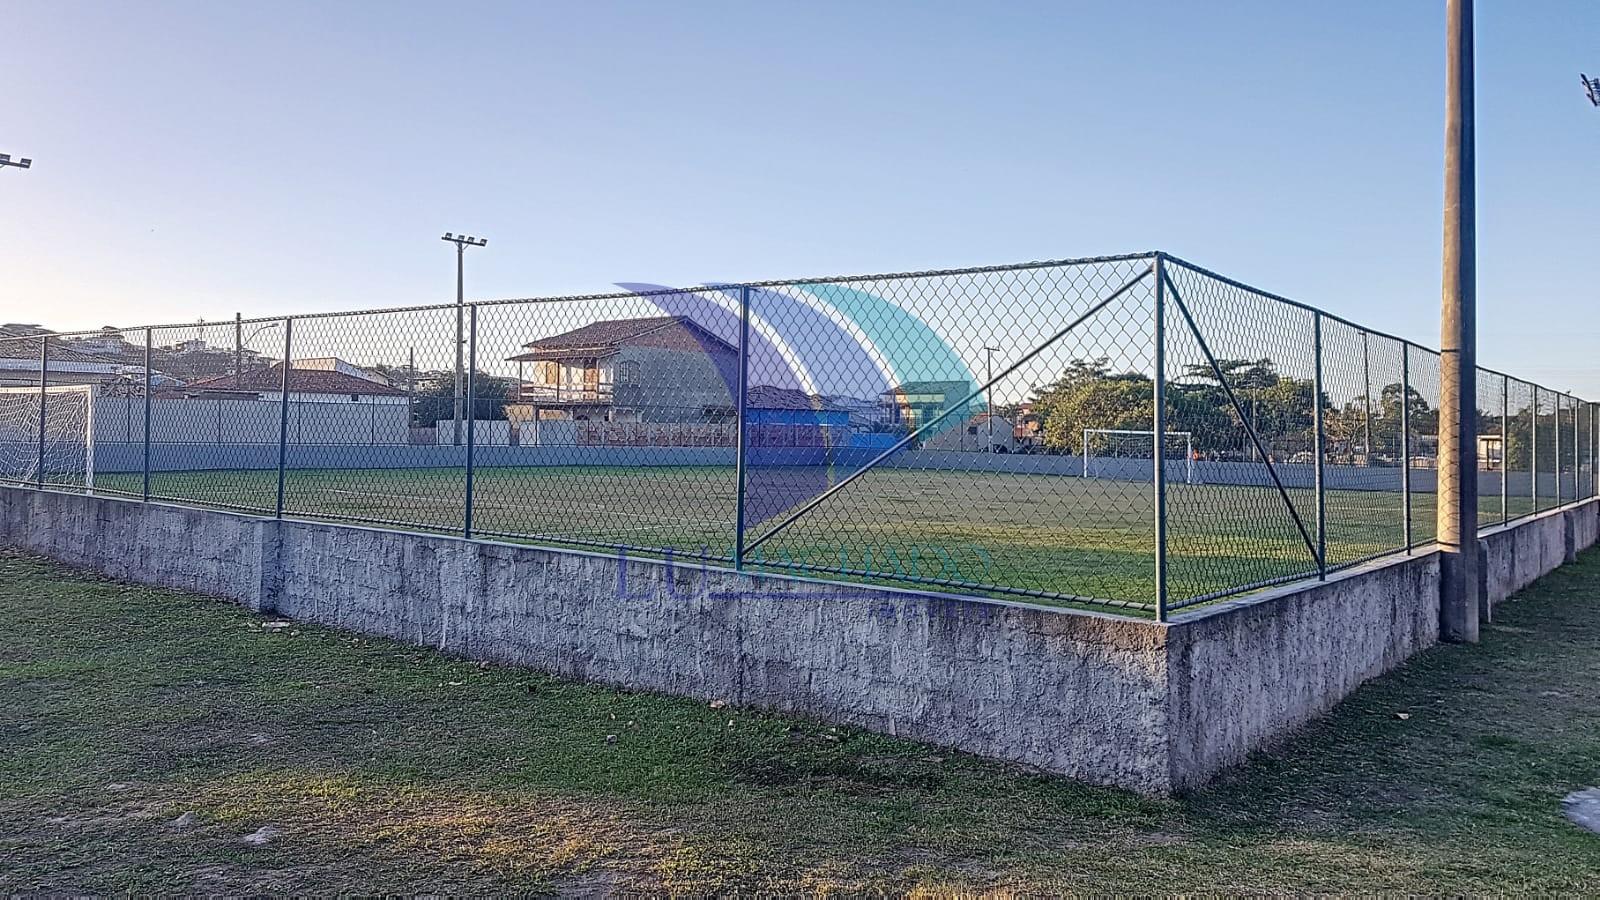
(1041, 533)
(392, 769)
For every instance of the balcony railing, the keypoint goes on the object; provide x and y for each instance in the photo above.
(535, 392)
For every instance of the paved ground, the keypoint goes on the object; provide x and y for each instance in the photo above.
(365, 766)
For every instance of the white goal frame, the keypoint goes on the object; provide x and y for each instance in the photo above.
(38, 393)
(1188, 447)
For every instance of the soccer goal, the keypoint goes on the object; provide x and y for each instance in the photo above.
(1108, 453)
(64, 446)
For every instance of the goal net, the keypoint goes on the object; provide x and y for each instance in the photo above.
(1130, 455)
(65, 446)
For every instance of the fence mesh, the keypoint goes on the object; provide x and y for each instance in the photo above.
(988, 431)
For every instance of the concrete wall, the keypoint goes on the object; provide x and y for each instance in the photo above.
(1515, 556)
(1108, 700)
(1244, 672)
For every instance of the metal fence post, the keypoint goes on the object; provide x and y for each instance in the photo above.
(283, 409)
(148, 341)
(44, 394)
(1319, 443)
(1533, 450)
(1556, 428)
(1159, 425)
(472, 413)
(1505, 449)
(741, 433)
(1577, 448)
(1366, 399)
(1405, 440)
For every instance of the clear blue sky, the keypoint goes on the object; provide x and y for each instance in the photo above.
(194, 159)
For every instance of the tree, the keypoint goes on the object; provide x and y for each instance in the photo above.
(435, 397)
(1087, 396)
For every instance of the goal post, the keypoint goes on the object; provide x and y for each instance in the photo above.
(65, 444)
(1103, 445)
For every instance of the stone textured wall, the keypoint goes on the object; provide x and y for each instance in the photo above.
(1108, 700)
(1516, 555)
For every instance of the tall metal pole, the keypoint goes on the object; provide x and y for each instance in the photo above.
(1320, 442)
(1159, 426)
(472, 418)
(411, 390)
(148, 344)
(1405, 439)
(283, 410)
(1458, 483)
(741, 430)
(238, 350)
(461, 256)
(462, 242)
(988, 393)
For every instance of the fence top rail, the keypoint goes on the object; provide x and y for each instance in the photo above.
(785, 282)
(623, 295)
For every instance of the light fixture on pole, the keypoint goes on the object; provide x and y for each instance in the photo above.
(462, 242)
(239, 342)
(23, 163)
(1590, 85)
(988, 392)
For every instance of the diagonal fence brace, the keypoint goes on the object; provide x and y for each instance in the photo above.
(1238, 408)
(816, 501)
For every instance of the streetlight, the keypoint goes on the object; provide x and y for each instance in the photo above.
(1590, 85)
(238, 347)
(462, 242)
(5, 160)
(988, 391)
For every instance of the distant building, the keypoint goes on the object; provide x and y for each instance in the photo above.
(786, 417)
(656, 369)
(334, 364)
(20, 346)
(305, 386)
(975, 435)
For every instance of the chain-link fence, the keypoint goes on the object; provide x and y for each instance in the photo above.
(1131, 431)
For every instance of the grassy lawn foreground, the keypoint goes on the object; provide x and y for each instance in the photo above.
(389, 768)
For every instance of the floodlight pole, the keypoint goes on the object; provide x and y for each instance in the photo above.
(988, 400)
(1459, 599)
(462, 242)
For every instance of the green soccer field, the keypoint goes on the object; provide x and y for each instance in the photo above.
(1053, 536)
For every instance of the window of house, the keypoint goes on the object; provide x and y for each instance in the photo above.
(972, 429)
(355, 398)
(628, 371)
(549, 372)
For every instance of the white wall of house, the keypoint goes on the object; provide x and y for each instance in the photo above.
(344, 399)
(210, 420)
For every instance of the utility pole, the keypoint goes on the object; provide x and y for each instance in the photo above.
(1459, 599)
(462, 242)
(238, 350)
(988, 392)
